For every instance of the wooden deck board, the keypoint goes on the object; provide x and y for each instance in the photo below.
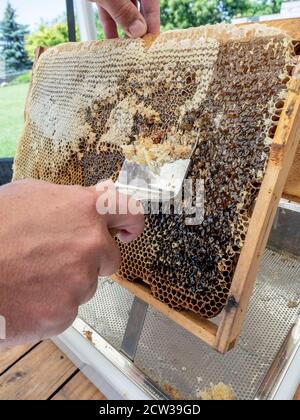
(37, 375)
(297, 395)
(79, 388)
(43, 372)
(10, 356)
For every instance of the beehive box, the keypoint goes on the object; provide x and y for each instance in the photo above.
(236, 90)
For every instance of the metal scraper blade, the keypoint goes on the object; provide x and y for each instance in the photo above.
(142, 183)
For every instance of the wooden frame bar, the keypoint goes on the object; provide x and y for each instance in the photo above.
(291, 189)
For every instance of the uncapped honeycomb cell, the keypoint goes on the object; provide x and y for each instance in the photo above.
(91, 103)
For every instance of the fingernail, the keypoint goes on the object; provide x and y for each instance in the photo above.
(137, 29)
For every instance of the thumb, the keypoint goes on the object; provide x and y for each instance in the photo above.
(126, 14)
(123, 214)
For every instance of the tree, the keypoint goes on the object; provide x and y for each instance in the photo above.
(47, 36)
(187, 13)
(248, 8)
(12, 38)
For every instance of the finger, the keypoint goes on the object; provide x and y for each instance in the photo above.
(126, 14)
(151, 11)
(122, 212)
(108, 24)
(129, 225)
(110, 257)
(126, 237)
(135, 4)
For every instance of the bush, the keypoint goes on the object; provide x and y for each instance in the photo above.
(47, 36)
(23, 78)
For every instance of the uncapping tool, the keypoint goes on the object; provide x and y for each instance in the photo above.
(141, 182)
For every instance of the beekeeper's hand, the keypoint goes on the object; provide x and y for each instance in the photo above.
(54, 244)
(125, 13)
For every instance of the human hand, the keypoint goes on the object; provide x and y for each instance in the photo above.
(54, 244)
(125, 13)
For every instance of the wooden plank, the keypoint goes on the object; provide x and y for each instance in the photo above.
(37, 375)
(200, 327)
(79, 388)
(297, 395)
(292, 187)
(282, 155)
(10, 356)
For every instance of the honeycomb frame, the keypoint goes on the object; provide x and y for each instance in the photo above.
(223, 337)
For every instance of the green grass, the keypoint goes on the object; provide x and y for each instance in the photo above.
(12, 102)
(23, 78)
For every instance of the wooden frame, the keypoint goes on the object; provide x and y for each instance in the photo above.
(282, 178)
(222, 337)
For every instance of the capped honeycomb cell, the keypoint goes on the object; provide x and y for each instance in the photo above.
(93, 103)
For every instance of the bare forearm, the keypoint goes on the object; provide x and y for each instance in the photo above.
(54, 245)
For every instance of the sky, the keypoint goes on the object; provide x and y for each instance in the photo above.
(30, 12)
